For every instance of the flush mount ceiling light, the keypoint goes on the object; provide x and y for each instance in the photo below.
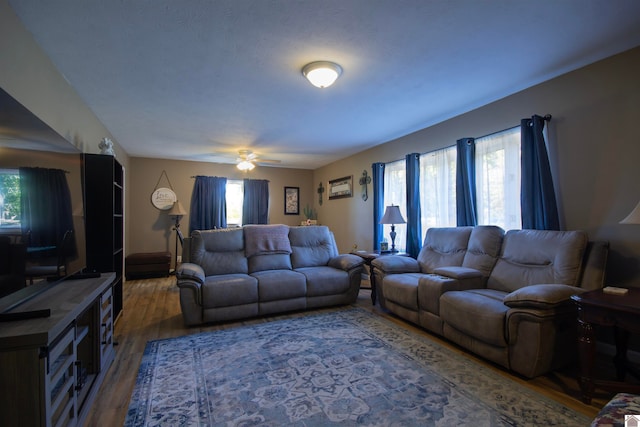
(322, 73)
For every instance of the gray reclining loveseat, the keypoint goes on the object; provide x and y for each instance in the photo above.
(263, 269)
(504, 296)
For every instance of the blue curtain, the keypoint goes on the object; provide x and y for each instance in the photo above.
(537, 195)
(255, 207)
(45, 203)
(378, 202)
(414, 226)
(466, 182)
(208, 203)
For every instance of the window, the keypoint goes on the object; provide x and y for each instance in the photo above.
(498, 179)
(497, 185)
(395, 193)
(234, 200)
(9, 198)
(438, 188)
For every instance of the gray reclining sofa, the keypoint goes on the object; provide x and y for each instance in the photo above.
(263, 269)
(503, 296)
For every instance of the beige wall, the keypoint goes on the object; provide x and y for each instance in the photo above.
(594, 148)
(28, 75)
(151, 229)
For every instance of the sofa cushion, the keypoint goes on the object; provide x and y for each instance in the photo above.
(266, 239)
(479, 313)
(483, 248)
(219, 251)
(530, 257)
(443, 247)
(311, 246)
(402, 289)
(323, 280)
(269, 262)
(280, 284)
(229, 289)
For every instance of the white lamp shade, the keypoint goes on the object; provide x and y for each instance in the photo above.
(246, 165)
(633, 217)
(322, 73)
(392, 215)
(177, 209)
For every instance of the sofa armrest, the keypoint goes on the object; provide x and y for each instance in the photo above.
(542, 296)
(190, 272)
(346, 262)
(396, 264)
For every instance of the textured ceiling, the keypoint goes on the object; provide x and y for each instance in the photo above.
(189, 79)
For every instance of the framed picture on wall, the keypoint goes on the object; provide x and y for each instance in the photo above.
(291, 200)
(341, 187)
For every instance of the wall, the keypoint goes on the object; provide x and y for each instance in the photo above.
(151, 229)
(29, 76)
(594, 150)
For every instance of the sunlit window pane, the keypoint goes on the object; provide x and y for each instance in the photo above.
(235, 198)
(498, 179)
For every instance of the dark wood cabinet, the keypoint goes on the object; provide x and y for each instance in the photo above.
(104, 219)
(51, 368)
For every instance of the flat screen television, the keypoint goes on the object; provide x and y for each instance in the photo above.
(29, 144)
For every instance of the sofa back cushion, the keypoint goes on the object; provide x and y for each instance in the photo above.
(267, 247)
(483, 248)
(219, 251)
(311, 246)
(443, 247)
(530, 257)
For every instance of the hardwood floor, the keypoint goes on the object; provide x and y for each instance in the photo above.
(152, 311)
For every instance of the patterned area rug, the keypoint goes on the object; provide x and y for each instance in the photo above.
(345, 367)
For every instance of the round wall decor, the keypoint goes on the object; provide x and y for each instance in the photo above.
(163, 198)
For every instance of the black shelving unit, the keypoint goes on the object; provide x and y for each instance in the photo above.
(104, 219)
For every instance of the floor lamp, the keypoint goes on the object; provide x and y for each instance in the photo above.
(392, 216)
(177, 212)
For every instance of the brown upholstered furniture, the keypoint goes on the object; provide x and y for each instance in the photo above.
(148, 264)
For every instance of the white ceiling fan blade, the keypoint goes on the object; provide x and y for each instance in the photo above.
(261, 160)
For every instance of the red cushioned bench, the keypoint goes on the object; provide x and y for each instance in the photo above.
(148, 264)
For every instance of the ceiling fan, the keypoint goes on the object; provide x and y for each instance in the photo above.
(248, 160)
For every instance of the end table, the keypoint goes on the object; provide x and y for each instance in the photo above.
(623, 313)
(369, 256)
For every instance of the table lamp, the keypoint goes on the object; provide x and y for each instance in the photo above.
(633, 217)
(392, 216)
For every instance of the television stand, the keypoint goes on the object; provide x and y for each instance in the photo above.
(23, 315)
(53, 366)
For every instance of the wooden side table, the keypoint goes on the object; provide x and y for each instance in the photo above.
(623, 313)
(369, 256)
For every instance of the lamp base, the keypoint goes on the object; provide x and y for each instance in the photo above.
(393, 238)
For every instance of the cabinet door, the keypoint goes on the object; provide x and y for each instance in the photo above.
(106, 326)
(60, 384)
